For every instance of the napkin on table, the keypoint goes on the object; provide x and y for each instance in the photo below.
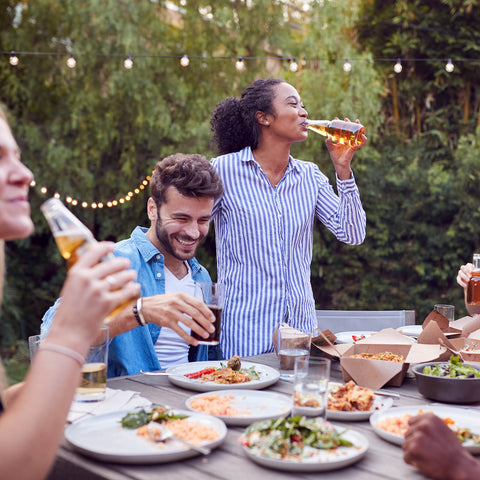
(115, 400)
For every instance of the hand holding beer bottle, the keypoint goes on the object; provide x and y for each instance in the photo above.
(73, 238)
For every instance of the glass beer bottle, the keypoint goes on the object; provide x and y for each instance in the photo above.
(346, 133)
(473, 287)
(72, 236)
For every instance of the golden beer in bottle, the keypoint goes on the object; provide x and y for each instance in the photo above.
(346, 133)
(473, 287)
(72, 237)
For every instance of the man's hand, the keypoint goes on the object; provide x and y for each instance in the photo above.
(167, 310)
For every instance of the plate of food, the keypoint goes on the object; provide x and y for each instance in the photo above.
(392, 424)
(351, 402)
(217, 375)
(123, 436)
(241, 407)
(352, 337)
(302, 444)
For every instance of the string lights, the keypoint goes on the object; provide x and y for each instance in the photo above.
(97, 204)
(240, 61)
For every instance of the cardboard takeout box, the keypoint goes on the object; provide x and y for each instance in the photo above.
(375, 374)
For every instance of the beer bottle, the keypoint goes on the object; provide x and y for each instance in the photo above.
(347, 133)
(72, 236)
(473, 287)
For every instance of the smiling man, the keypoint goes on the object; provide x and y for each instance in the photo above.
(156, 332)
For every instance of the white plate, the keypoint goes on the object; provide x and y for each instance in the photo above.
(346, 337)
(252, 405)
(102, 437)
(358, 415)
(463, 418)
(410, 330)
(268, 376)
(327, 460)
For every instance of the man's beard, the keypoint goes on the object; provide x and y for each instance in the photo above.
(164, 240)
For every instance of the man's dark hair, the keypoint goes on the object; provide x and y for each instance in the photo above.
(191, 174)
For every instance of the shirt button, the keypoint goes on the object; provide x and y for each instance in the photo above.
(158, 257)
(159, 275)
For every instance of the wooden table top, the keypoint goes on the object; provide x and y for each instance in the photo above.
(383, 460)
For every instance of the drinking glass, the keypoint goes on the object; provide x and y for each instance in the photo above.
(213, 294)
(292, 344)
(447, 311)
(310, 387)
(33, 344)
(93, 385)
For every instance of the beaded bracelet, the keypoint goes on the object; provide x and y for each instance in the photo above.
(68, 352)
(137, 311)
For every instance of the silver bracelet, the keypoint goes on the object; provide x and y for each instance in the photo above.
(68, 352)
(138, 313)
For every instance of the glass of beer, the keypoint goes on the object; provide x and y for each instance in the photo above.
(213, 294)
(93, 385)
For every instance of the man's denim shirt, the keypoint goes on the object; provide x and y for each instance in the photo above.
(134, 350)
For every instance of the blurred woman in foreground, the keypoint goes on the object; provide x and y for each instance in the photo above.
(32, 414)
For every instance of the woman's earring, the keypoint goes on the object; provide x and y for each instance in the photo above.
(267, 123)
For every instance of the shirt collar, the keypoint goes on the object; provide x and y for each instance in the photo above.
(246, 155)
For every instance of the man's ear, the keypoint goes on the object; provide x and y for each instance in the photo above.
(151, 209)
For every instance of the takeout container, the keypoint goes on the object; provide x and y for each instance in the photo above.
(446, 389)
(375, 374)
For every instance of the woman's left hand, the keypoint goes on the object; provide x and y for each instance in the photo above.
(342, 155)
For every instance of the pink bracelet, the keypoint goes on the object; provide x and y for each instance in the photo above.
(68, 352)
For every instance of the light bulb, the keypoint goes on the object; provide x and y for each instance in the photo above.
(347, 66)
(71, 62)
(84, 204)
(13, 59)
(128, 62)
(43, 189)
(68, 199)
(33, 183)
(185, 61)
(56, 195)
(398, 66)
(449, 66)
(293, 66)
(74, 202)
(240, 64)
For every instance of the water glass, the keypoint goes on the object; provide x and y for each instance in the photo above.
(292, 344)
(93, 385)
(447, 311)
(33, 344)
(310, 387)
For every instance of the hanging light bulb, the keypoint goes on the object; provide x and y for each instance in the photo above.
(398, 66)
(128, 62)
(71, 62)
(293, 65)
(449, 66)
(347, 66)
(185, 61)
(13, 59)
(33, 183)
(240, 64)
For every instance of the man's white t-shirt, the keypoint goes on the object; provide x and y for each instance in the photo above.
(171, 349)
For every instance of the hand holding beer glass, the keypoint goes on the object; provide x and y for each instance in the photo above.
(213, 294)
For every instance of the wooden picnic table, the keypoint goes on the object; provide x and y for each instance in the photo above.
(383, 460)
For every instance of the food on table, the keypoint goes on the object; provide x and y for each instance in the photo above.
(351, 397)
(293, 439)
(398, 425)
(454, 369)
(225, 374)
(387, 356)
(356, 338)
(307, 399)
(180, 425)
(234, 363)
(217, 404)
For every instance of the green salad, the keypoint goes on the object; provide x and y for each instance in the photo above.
(454, 368)
(293, 438)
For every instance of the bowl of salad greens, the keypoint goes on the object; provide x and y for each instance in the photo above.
(449, 382)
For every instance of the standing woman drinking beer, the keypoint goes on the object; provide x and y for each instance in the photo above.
(264, 221)
(33, 414)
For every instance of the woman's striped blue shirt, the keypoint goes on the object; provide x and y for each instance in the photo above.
(264, 245)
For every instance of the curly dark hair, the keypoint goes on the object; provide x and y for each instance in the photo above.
(191, 174)
(233, 121)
